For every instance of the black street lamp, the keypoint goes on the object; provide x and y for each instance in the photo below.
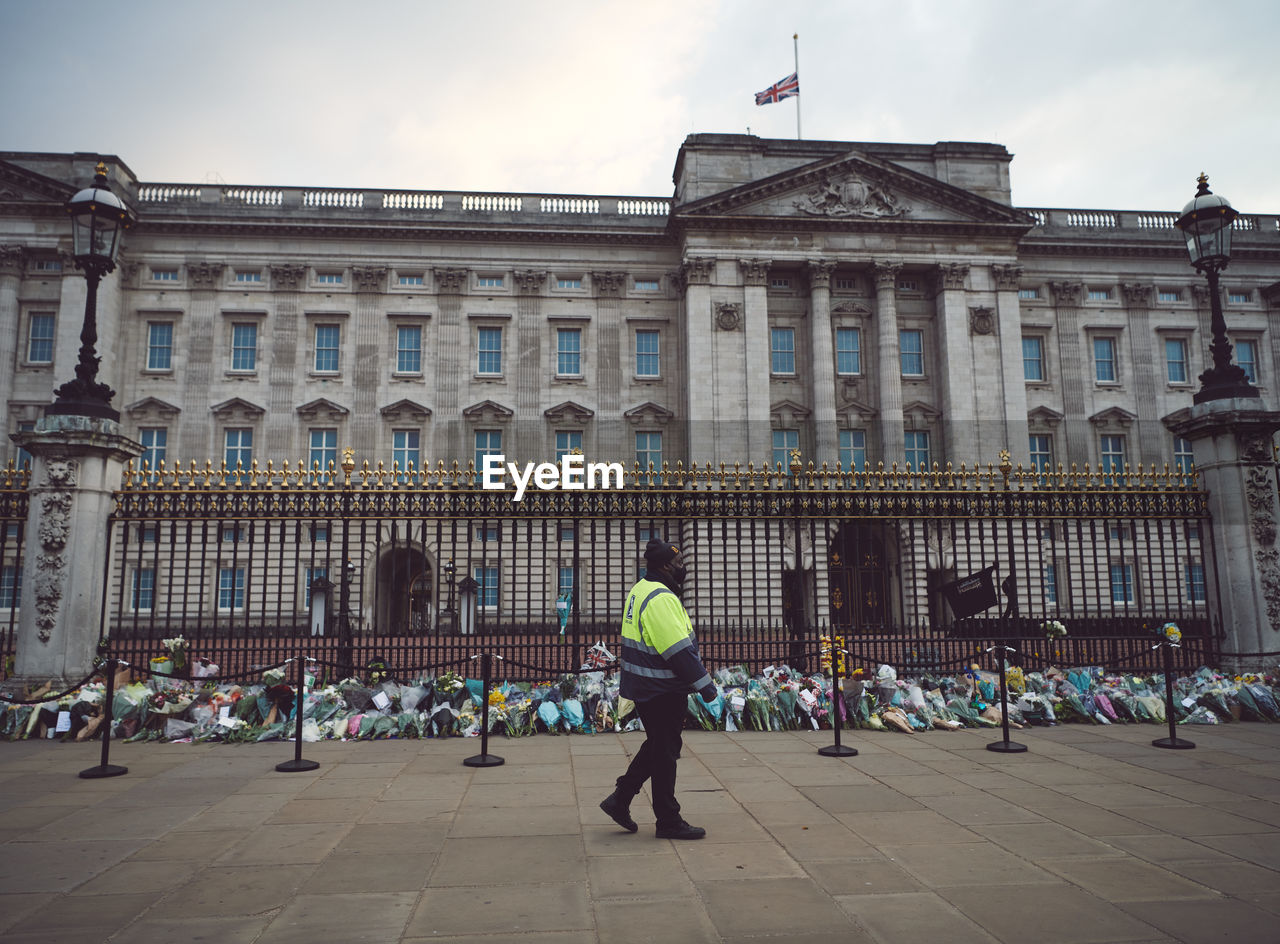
(98, 217)
(1206, 224)
(449, 571)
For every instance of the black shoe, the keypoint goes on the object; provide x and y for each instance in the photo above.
(618, 812)
(680, 830)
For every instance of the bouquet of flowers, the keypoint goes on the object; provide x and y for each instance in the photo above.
(1171, 633)
(1053, 629)
(177, 648)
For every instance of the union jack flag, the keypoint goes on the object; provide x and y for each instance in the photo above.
(783, 88)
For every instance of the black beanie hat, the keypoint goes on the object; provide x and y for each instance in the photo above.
(657, 552)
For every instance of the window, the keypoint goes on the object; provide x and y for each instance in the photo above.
(324, 449)
(1192, 530)
(154, 440)
(404, 450)
(489, 348)
(784, 440)
(40, 339)
(649, 450)
(490, 281)
(567, 441)
(853, 449)
(646, 285)
(1028, 293)
(409, 349)
(1112, 454)
(144, 590)
(234, 534)
(248, 276)
(908, 285)
(779, 283)
(164, 275)
(1175, 359)
(1033, 358)
(327, 340)
(486, 533)
(487, 589)
(46, 265)
(1122, 583)
(148, 533)
(408, 280)
(231, 589)
(22, 458)
(1119, 532)
(1183, 454)
(647, 362)
(312, 574)
(569, 283)
(1195, 583)
(1050, 583)
(1239, 298)
(564, 581)
(782, 350)
(568, 352)
(844, 285)
(329, 278)
(10, 587)
(1104, 360)
(1099, 294)
(159, 345)
(567, 533)
(320, 533)
(237, 448)
(917, 443)
(1041, 447)
(488, 443)
(1169, 295)
(848, 351)
(911, 350)
(1247, 358)
(244, 346)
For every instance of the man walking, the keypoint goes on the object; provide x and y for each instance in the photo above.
(660, 666)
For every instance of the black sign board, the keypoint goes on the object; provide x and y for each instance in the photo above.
(970, 595)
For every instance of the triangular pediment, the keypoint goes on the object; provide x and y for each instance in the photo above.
(853, 412)
(20, 185)
(1113, 416)
(849, 307)
(568, 411)
(921, 409)
(487, 410)
(152, 408)
(237, 409)
(405, 409)
(322, 408)
(854, 190)
(1044, 416)
(649, 413)
(788, 412)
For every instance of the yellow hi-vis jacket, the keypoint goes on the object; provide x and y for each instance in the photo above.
(659, 650)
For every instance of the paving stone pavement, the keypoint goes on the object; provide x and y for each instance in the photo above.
(1093, 835)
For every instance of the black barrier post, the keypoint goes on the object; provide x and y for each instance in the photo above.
(298, 764)
(484, 758)
(837, 749)
(1172, 741)
(105, 769)
(1005, 746)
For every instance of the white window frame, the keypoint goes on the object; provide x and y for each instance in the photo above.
(154, 349)
(569, 356)
(484, 332)
(655, 354)
(332, 331)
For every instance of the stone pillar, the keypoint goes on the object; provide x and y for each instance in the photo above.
(1075, 370)
(197, 440)
(962, 436)
(609, 445)
(698, 351)
(888, 365)
(452, 365)
(281, 434)
(369, 369)
(1007, 280)
(77, 462)
(13, 261)
(1148, 365)
(822, 367)
(755, 325)
(530, 443)
(1232, 441)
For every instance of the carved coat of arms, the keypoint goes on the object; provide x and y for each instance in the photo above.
(851, 196)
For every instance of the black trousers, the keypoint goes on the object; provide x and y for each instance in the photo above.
(663, 720)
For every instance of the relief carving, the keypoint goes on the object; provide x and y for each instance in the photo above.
(1008, 277)
(1136, 295)
(953, 275)
(886, 275)
(287, 277)
(697, 270)
(728, 316)
(608, 284)
(13, 260)
(204, 274)
(369, 278)
(450, 281)
(529, 281)
(820, 273)
(981, 320)
(61, 475)
(48, 587)
(755, 271)
(1269, 573)
(851, 197)
(1067, 294)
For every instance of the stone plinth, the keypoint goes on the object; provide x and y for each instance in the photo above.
(77, 463)
(1232, 442)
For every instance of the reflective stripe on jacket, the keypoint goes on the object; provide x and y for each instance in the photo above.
(659, 649)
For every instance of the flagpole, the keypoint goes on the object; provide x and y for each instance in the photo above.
(795, 39)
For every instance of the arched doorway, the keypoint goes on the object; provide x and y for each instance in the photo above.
(857, 578)
(405, 593)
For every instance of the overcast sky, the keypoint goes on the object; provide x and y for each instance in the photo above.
(1104, 103)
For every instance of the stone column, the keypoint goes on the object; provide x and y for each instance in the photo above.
(452, 365)
(369, 370)
(196, 439)
(77, 462)
(822, 367)
(1007, 279)
(609, 445)
(1232, 441)
(1075, 370)
(13, 262)
(962, 435)
(281, 432)
(700, 404)
(888, 364)
(1148, 365)
(755, 318)
(530, 443)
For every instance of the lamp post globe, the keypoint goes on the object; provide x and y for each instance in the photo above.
(1206, 224)
(98, 218)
